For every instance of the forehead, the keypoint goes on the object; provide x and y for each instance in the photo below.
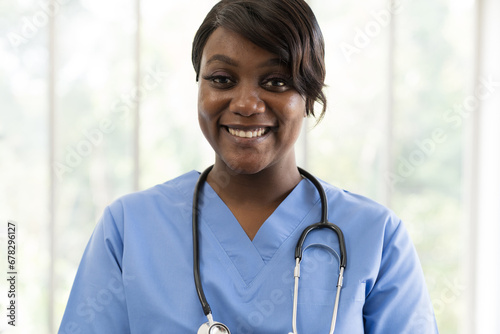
(228, 46)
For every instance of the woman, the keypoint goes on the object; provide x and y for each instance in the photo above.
(260, 68)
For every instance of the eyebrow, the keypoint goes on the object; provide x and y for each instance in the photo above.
(222, 58)
(230, 61)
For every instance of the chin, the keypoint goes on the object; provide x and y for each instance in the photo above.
(246, 170)
(245, 167)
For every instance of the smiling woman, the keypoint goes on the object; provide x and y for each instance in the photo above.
(260, 70)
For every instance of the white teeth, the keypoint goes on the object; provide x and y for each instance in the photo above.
(247, 134)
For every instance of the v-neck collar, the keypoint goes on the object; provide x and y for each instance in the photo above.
(250, 257)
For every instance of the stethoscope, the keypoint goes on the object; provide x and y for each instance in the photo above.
(213, 327)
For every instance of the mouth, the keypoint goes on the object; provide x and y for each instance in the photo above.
(248, 133)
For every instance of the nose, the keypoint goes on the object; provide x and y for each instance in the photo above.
(247, 101)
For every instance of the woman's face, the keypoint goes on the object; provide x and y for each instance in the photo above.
(247, 108)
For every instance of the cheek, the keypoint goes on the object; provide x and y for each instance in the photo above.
(208, 112)
(201, 100)
(203, 110)
(295, 109)
(209, 104)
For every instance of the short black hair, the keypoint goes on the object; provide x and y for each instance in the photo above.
(287, 28)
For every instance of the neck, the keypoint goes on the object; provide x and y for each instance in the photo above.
(267, 187)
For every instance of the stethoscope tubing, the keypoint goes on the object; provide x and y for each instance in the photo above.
(196, 248)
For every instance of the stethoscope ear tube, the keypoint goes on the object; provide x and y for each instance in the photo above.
(324, 222)
(335, 228)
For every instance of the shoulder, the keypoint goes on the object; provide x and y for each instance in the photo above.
(355, 204)
(361, 215)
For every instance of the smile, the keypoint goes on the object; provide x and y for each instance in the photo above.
(254, 133)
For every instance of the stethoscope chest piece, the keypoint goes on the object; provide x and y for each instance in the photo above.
(215, 328)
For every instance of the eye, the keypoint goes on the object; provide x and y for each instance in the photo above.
(220, 81)
(276, 83)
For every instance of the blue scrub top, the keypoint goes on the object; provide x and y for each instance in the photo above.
(136, 275)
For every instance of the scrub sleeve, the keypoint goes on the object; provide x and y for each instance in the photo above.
(397, 301)
(97, 303)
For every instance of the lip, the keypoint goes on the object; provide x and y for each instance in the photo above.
(248, 127)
